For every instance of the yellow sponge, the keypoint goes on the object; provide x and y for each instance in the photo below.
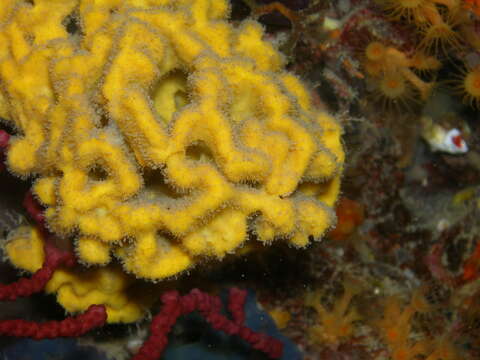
(159, 132)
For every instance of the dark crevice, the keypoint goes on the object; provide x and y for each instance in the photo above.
(98, 173)
(71, 24)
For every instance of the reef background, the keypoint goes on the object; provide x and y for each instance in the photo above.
(406, 247)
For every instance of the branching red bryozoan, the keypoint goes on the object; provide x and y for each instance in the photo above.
(94, 317)
(4, 139)
(36, 283)
(209, 307)
(34, 209)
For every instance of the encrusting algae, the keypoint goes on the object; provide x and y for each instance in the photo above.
(158, 134)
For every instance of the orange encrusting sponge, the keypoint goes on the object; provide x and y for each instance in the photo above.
(349, 216)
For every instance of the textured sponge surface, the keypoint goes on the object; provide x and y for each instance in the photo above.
(160, 133)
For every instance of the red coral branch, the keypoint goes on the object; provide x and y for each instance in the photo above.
(4, 140)
(36, 283)
(95, 316)
(34, 209)
(209, 307)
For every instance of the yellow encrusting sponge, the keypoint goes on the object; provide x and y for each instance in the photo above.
(158, 134)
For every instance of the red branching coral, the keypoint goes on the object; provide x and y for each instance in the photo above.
(26, 287)
(94, 317)
(209, 307)
(4, 138)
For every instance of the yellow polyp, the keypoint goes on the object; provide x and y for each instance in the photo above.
(375, 51)
(424, 88)
(392, 71)
(281, 317)
(155, 132)
(421, 61)
(471, 86)
(336, 324)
